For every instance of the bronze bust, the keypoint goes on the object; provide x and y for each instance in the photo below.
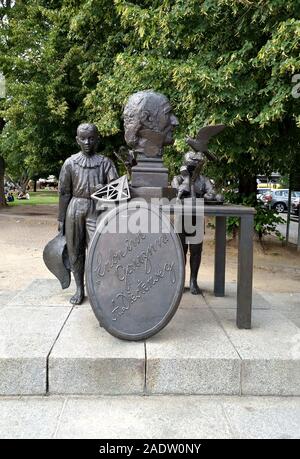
(149, 123)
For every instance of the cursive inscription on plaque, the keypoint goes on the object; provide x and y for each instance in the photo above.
(123, 301)
(138, 268)
(105, 266)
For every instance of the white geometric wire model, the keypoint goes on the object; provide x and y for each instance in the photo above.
(118, 190)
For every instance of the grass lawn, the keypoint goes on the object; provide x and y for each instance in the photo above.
(39, 197)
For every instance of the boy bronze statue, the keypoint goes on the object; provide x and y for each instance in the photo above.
(81, 175)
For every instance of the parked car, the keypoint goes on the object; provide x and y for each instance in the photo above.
(278, 199)
(261, 192)
(295, 206)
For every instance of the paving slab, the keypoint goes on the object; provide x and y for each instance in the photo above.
(192, 301)
(283, 302)
(6, 296)
(192, 355)
(88, 360)
(293, 317)
(150, 417)
(229, 301)
(270, 352)
(264, 418)
(44, 292)
(143, 417)
(207, 287)
(29, 417)
(26, 338)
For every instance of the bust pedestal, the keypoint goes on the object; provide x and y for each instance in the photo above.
(149, 179)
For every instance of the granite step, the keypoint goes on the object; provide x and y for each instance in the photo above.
(49, 347)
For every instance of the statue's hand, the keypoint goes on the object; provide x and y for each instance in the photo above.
(184, 190)
(185, 187)
(209, 196)
(97, 187)
(220, 197)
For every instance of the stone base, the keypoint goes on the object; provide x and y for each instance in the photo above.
(149, 172)
(48, 346)
(88, 360)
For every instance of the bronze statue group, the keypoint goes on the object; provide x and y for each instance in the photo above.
(149, 123)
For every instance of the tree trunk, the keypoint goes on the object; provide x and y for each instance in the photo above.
(34, 186)
(247, 184)
(2, 169)
(24, 180)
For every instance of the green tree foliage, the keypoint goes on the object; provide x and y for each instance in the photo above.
(219, 62)
(225, 61)
(43, 88)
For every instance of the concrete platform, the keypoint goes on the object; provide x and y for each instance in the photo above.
(192, 356)
(43, 292)
(87, 360)
(49, 347)
(27, 336)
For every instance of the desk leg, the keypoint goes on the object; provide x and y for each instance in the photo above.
(245, 272)
(220, 256)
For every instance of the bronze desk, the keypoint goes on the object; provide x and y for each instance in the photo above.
(245, 255)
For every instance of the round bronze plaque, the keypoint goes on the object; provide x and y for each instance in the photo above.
(135, 271)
